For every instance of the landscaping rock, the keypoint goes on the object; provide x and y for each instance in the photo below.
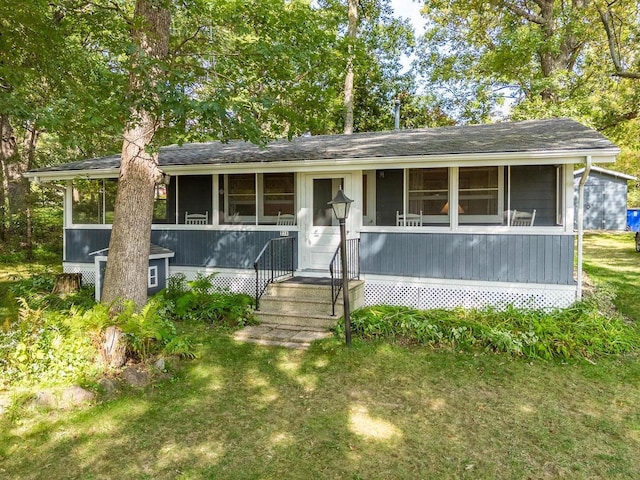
(109, 385)
(45, 398)
(135, 376)
(160, 364)
(76, 396)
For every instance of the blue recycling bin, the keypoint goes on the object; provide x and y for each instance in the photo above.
(633, 224)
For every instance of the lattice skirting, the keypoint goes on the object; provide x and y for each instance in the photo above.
(236, 281)
(429, 293)
(417, 293)
(88, 271)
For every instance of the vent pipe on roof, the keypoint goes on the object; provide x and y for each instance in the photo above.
(396, 105)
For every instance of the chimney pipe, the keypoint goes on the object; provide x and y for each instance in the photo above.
(397, 112)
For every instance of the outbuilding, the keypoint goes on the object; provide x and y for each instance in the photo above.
(605, 198)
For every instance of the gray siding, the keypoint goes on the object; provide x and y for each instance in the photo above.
(197, 248)
(485, 257)
(605, 202)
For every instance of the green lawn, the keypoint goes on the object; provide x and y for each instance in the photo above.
(376, 411)
(611, 259)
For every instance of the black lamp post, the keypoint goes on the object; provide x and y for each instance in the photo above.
(341, 204)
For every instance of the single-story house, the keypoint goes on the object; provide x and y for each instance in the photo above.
(508, 238)
(605, 198)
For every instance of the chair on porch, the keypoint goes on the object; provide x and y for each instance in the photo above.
(286, 219)
(523, 219)
(409, 219)
(196, 218)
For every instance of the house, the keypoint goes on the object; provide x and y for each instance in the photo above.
(509, 237)
(605, 198)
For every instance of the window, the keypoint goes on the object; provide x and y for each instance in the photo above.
(93, 201)
(240, 198)
(153, 277)
(429, 194)
(278, 195)
(160, 203)
(275, 193)
(479, 194)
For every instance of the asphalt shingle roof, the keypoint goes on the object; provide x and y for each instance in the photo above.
(528, 136)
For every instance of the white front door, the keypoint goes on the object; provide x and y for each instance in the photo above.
(321, 235)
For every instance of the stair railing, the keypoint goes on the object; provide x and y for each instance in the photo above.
(335, 268)
(274, 262)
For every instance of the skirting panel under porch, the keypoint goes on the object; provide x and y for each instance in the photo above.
(413, 292)
(434, 293)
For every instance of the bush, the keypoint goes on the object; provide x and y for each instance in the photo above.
(200, 300)
(579, 331)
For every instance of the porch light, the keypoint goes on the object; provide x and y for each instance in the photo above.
(341, 204)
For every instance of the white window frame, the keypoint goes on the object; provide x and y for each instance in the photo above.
(429, 219)
(475, 219)
(152, 279)
(260, 218)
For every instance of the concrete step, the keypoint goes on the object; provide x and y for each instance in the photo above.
(279, 335)
(312, 292)
(304, 321)
(297, 306)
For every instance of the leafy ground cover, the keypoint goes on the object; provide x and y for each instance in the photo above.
(378, 410)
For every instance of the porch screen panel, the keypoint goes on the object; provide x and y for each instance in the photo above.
(429, 193)
(195, 194)
(278, 195)
(534, 187)
(389, 186)
(93, 201)
(240, 198)
(478, 193)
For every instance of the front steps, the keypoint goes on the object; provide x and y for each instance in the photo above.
(297, 311)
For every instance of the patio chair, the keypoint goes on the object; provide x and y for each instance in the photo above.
(523, 219)
(409, 219)
(286, 219)
(196, 218)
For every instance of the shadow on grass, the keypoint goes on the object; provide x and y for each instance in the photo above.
(375, 411)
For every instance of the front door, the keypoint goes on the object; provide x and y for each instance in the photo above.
(322, 231)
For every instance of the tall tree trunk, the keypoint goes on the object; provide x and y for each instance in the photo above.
(27, 158)
(348, 79)
(127, 265)
(8, 152)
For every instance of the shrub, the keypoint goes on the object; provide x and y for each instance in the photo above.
(200, 300)
(579, 331)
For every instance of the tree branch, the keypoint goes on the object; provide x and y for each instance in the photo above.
(517, 10)
(614, 45)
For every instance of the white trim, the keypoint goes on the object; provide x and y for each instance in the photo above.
(152, 276)
(605, 171)
(472, 229)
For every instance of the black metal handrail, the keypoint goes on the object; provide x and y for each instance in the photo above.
(274, 262)
(335, 268)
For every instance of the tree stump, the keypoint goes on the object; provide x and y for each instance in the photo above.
(114, 349)
(67, 283)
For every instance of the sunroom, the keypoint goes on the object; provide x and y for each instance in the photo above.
(444, 217)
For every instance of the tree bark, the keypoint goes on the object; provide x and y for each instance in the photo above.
(8, 150)
(128, 257)
(352, 32)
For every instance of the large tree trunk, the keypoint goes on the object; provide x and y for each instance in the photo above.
(348, 79)
(127, 264)
(8, 152)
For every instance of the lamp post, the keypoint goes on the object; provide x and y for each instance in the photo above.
(340, 205)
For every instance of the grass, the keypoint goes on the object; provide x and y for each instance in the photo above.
(376, 411)
(611, 259)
